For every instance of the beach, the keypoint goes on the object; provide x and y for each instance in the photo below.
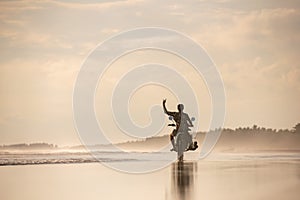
(192, 179)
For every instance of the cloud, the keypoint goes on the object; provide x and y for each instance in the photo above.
(252, 41)
(96, 5)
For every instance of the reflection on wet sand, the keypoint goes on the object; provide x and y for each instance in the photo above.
(182, 180)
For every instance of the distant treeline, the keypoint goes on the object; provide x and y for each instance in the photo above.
(22, 146)
(241, 130)
(257, 129)
(247, 139)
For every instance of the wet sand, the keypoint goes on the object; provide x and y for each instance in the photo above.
(235, 180)
(189, 180)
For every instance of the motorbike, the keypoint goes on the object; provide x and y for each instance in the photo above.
(183, 140)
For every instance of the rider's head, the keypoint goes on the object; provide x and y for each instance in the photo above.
(180, 107)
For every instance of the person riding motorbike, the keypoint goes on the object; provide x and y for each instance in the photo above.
(183, 122)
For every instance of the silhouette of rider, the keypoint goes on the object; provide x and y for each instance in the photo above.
(183, 121)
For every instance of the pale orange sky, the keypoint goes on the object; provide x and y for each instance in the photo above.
(255, 45)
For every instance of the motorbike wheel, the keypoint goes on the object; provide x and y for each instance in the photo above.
(181, 146)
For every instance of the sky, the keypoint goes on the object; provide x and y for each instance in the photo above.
(254, 44)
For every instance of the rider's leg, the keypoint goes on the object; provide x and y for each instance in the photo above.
(172, 140)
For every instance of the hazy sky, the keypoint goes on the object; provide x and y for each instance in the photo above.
(255, 45)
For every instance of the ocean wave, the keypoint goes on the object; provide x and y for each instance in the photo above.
(35, 158)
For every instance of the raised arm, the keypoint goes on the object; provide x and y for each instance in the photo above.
(165, 108)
